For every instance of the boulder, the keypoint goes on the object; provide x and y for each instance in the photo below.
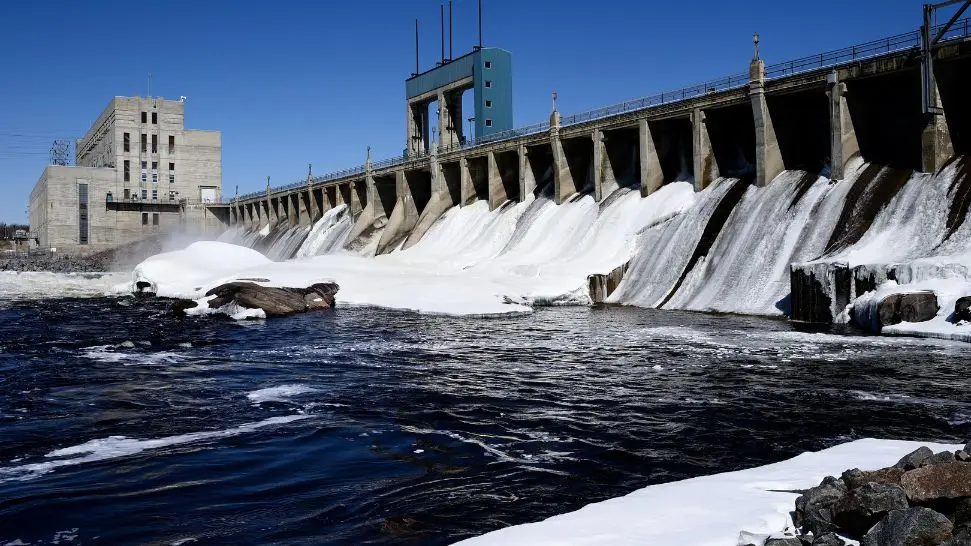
(180, 306)
(907, 307)
(914, 459)
(855, 478)
(917, 526)
(962, 311)
(962, 456)
(857, 511)
(950, 480)
(788, 541)
(829, 539)
(937, 458)
(961, 538)
(814, 507)
(275, 302)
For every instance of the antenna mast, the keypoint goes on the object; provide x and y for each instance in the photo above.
(442, 13)
(451, 55)
(480, 24)
(417, 69)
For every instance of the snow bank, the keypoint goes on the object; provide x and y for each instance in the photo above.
(472, 262)
(705, 511)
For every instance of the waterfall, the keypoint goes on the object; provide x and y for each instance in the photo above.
(328, 235)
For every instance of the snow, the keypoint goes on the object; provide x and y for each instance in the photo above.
(705, 511)
(471, 262)
(43, 285)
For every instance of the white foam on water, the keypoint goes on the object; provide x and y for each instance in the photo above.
(281, 393)
(43, 285)
(472, 262)
(114, 447)
(329, 234)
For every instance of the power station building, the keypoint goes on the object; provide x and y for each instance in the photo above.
(138, 173)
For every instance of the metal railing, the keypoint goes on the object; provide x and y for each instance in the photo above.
(884, 46)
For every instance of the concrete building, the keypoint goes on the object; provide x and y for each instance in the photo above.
(138, 172)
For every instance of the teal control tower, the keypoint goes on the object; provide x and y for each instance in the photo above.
(487, 71)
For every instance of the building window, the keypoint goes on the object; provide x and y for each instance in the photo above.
(488, 64)
(154, 172)
(488, 123)
(144, 143)
(488, 83)
(154, 218)
(171, 144)
(154, 144)
(144, 218)
(127, 142)
(171, 173)
(83, 213)
(110, 198)
(144, 117)
(127, 171)
(144, 194)
(171, 196)
(154, 195)
(154, 118)
(144, 171)
(127, 194)
(488, 104)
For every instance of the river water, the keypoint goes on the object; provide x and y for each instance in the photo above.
(120, 423)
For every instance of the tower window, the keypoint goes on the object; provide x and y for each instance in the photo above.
(144, 117)
(144, 218)
(488, 64)
(488, 123)
(488, 83)
(488, 104)
(127, 142)
(127, 170)
(144, 143)
(171, 144)
(154, 144)
(154, 118)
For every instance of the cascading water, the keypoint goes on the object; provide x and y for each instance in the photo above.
(328, 235)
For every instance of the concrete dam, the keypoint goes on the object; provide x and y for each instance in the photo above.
(791, 189)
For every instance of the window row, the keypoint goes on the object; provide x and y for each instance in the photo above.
(129, 194)
(154, 118)
(127, 172)
(126, 143)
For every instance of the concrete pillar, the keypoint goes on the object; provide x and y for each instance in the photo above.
(705, 166)
(417, 122)
(294, 215)
(450, 118)
(935, 140)
(314, 212)
(598, 165)
(842, 135)
(497, 191)
(527, 181)
(467, 186)
(768, 156)
(652, 176)
(563, 185)
(355, 205)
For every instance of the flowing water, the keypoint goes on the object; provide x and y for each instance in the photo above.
(123, 424)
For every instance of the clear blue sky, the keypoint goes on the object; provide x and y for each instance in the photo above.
(291, 83)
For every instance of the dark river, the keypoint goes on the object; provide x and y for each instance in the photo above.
(121, 424)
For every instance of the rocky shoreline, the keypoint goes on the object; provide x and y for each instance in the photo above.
(923, 500)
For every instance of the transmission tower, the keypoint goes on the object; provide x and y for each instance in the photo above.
(60, 152)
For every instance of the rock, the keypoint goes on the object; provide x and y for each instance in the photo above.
(962, 312)
(907, 307)
(937, 458)
(962, 515)
(180, 306)
(861, 508)
(789, 541)
(962, 456)
(814, 507)
(940, 481)
(961, 538)
(914, 459)
(829, 539)
(967, 447)
(856, 477)
(917, 526)
(275, 302)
